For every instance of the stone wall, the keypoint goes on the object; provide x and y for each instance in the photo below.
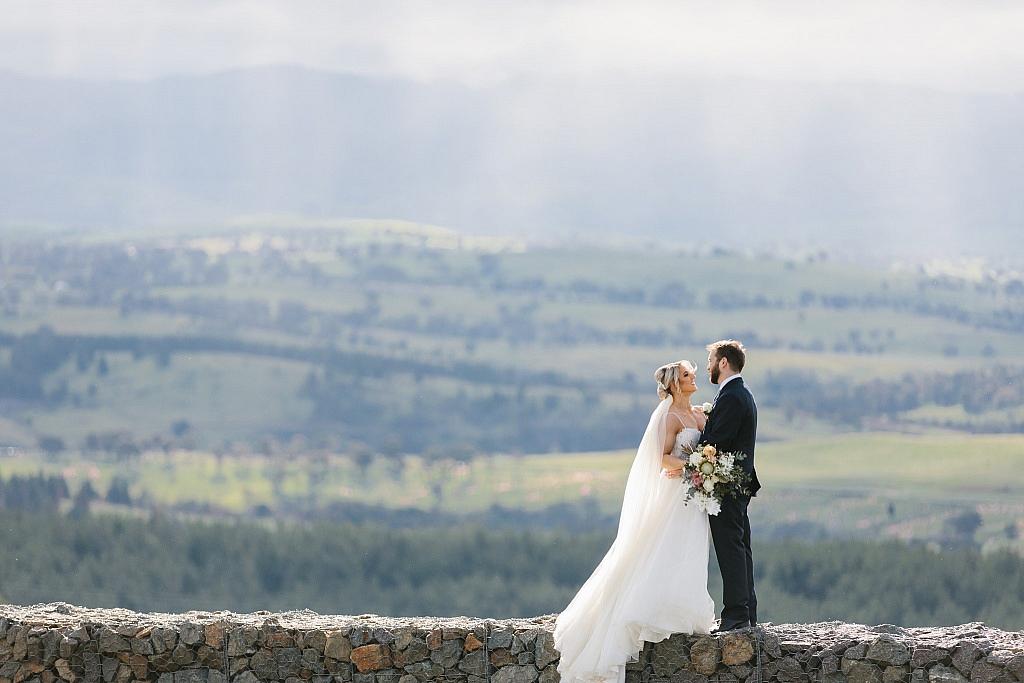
(61, 643)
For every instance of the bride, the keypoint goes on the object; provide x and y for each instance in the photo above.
(653, 580)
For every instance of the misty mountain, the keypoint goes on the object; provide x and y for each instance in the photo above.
(859, 167)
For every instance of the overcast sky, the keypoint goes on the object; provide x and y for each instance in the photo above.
(973, 45)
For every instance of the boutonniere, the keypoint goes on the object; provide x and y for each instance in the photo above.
(706, 408)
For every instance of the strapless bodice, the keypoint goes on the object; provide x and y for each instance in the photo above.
(686, 440)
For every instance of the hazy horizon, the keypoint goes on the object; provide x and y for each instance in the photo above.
(870, 129)
(951, 46)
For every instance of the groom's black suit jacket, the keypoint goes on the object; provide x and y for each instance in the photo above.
(732, 426)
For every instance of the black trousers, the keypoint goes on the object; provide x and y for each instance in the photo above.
(730, 530)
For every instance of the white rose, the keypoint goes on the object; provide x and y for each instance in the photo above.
(709, 485)
(706, 408)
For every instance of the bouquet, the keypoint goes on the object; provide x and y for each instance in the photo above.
(709, 476)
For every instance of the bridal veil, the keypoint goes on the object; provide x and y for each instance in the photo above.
(652, 581)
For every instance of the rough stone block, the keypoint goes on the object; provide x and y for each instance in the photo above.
(921, 657)
(669, 656)
(277, 638)
(372, 657)
(214, 634)
(289, 661)
(502, 657)
(500, 638)
(789, 670)
(337, 646)
(474, 663)
(516, 674)
(360, 636)
(686, 676)
(109, 641)
(472, 643)
(737, 649)
(544, 651)
(944, 674)
(983, 672)
(704, 655)
(1015, 665)
(264, 665)
(190, 676)
(191, 633)
(964, 656)
(447, 655)
(889, 651)
(863, 672)
(896, 674)
(163, 639)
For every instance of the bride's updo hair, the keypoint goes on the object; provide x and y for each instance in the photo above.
(667, 375)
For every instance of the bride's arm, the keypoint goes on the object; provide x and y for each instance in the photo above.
(670, 463)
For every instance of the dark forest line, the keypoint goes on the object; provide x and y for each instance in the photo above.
(166, 565)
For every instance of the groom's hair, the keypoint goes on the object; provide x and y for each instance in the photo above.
(731, 350)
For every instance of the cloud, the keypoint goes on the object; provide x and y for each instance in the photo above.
(960, 46)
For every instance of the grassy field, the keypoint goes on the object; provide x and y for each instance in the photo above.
(423, 293)
(843, 483)
(220, 395)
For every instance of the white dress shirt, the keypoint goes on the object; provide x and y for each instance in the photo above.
(731, 378)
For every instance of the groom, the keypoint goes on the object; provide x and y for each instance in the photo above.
(732, 427)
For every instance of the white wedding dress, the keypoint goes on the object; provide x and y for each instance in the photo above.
(653, 580)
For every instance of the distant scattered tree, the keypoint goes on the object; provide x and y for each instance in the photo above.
(362, 457)
(80, 503)
(82, 360)
(51, 445)
(118, 492)
(961, 527)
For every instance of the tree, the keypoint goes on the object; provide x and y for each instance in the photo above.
(362, 457)
(118, 492)
(80, 505)
(960, 528)
(180, 428)
(51, 445)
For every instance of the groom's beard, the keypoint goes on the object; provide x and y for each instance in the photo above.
(714, 375)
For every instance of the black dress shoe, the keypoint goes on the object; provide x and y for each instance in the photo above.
(731, 626)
